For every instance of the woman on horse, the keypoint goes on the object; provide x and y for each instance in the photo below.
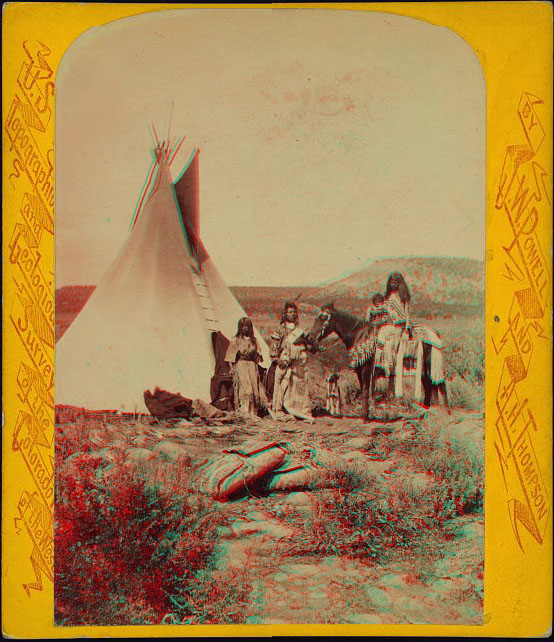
(288, 351)
(393, 336)
(243, 355)
(397, 300)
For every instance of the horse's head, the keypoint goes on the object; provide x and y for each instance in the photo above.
(323, 326)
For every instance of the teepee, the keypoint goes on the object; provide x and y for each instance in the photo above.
(149, 322)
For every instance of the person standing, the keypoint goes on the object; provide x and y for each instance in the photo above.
(289, 353)
(243, 356)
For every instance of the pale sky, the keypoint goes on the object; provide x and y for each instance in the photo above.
(326, 138)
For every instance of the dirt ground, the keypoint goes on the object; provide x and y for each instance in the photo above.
(439, 582)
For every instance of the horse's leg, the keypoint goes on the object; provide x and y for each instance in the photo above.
(371, 383)
(426, 376)
(367, 378)
(432, 390)
(364, 387)
(428, 389)
(392, 386)
(364, 376)
(365, 394)
(360, 373)
(442, 388)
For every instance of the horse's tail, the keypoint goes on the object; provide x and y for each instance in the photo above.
(437, 365)
(418, 392)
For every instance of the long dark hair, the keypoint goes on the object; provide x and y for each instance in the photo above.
(245, 322)
(403, 290)
(288, 304)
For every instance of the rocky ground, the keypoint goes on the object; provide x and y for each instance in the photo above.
(439, 581)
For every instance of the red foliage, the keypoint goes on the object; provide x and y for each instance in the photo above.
(123, 547)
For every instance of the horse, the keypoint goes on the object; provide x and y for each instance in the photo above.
(352, 332)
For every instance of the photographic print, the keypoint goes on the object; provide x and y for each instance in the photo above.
(277, 300)
(218, 459)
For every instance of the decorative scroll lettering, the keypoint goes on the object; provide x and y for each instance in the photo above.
(523, 198)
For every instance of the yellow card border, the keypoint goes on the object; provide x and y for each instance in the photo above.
(513, 42)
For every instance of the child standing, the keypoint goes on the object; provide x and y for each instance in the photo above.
(334, 400)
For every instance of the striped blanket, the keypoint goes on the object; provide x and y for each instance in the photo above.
(427, 335)
(372, 343)
(362, 351)
(238, 469)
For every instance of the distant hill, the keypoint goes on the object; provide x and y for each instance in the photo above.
(438, 285)
(256, 300)
(69, 302)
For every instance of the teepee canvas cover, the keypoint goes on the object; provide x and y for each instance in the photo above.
(149, 321)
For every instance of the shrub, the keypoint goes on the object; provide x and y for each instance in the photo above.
(463, 394)
(455, 465)
(132, 546)
(369, 517)
(464, 353)
(364, 524)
